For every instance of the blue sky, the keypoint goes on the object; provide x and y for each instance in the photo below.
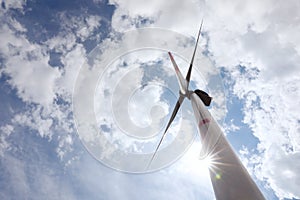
(248, 60)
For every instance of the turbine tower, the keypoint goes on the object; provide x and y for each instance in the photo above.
(229, 177)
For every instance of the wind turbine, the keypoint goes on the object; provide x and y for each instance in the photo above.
(229, 177)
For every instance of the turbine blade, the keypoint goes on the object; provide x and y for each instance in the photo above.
(180, 78)
(188, 75)
(176, 108)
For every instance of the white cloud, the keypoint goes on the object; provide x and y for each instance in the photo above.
(282, 171)
(33, 79)
(5, 131)
(119, 104)
(36, 121)
(63, 42)
(230, 126)
(27, 65)
(27, 177)
(275, 122)
(72, 61)
(14, 4)
(82, 26)
(40, 85)
(176, 15)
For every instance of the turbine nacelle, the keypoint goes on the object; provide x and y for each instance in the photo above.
(205, 98)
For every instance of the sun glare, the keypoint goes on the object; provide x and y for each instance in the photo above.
(207, 162)
(194, 165)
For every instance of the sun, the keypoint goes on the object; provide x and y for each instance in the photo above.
(195, 166)
(207, 162)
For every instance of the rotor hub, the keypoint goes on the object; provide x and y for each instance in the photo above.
(187, 94)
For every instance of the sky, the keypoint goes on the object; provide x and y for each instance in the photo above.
(86, 89)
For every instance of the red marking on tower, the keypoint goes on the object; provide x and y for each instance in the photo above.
(203, 121)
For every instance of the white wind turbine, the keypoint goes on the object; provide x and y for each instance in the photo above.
(229, 177)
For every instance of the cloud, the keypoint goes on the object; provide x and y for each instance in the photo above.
(82, 26)
(13, 4)
(174, 14)
(27, 66)
(5, 132)
(33, 173)
(45, 89)
(272, 114)
(282, 171)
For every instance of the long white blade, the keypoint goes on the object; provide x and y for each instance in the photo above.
(176, 108)
(182, 82)
(188, 75)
